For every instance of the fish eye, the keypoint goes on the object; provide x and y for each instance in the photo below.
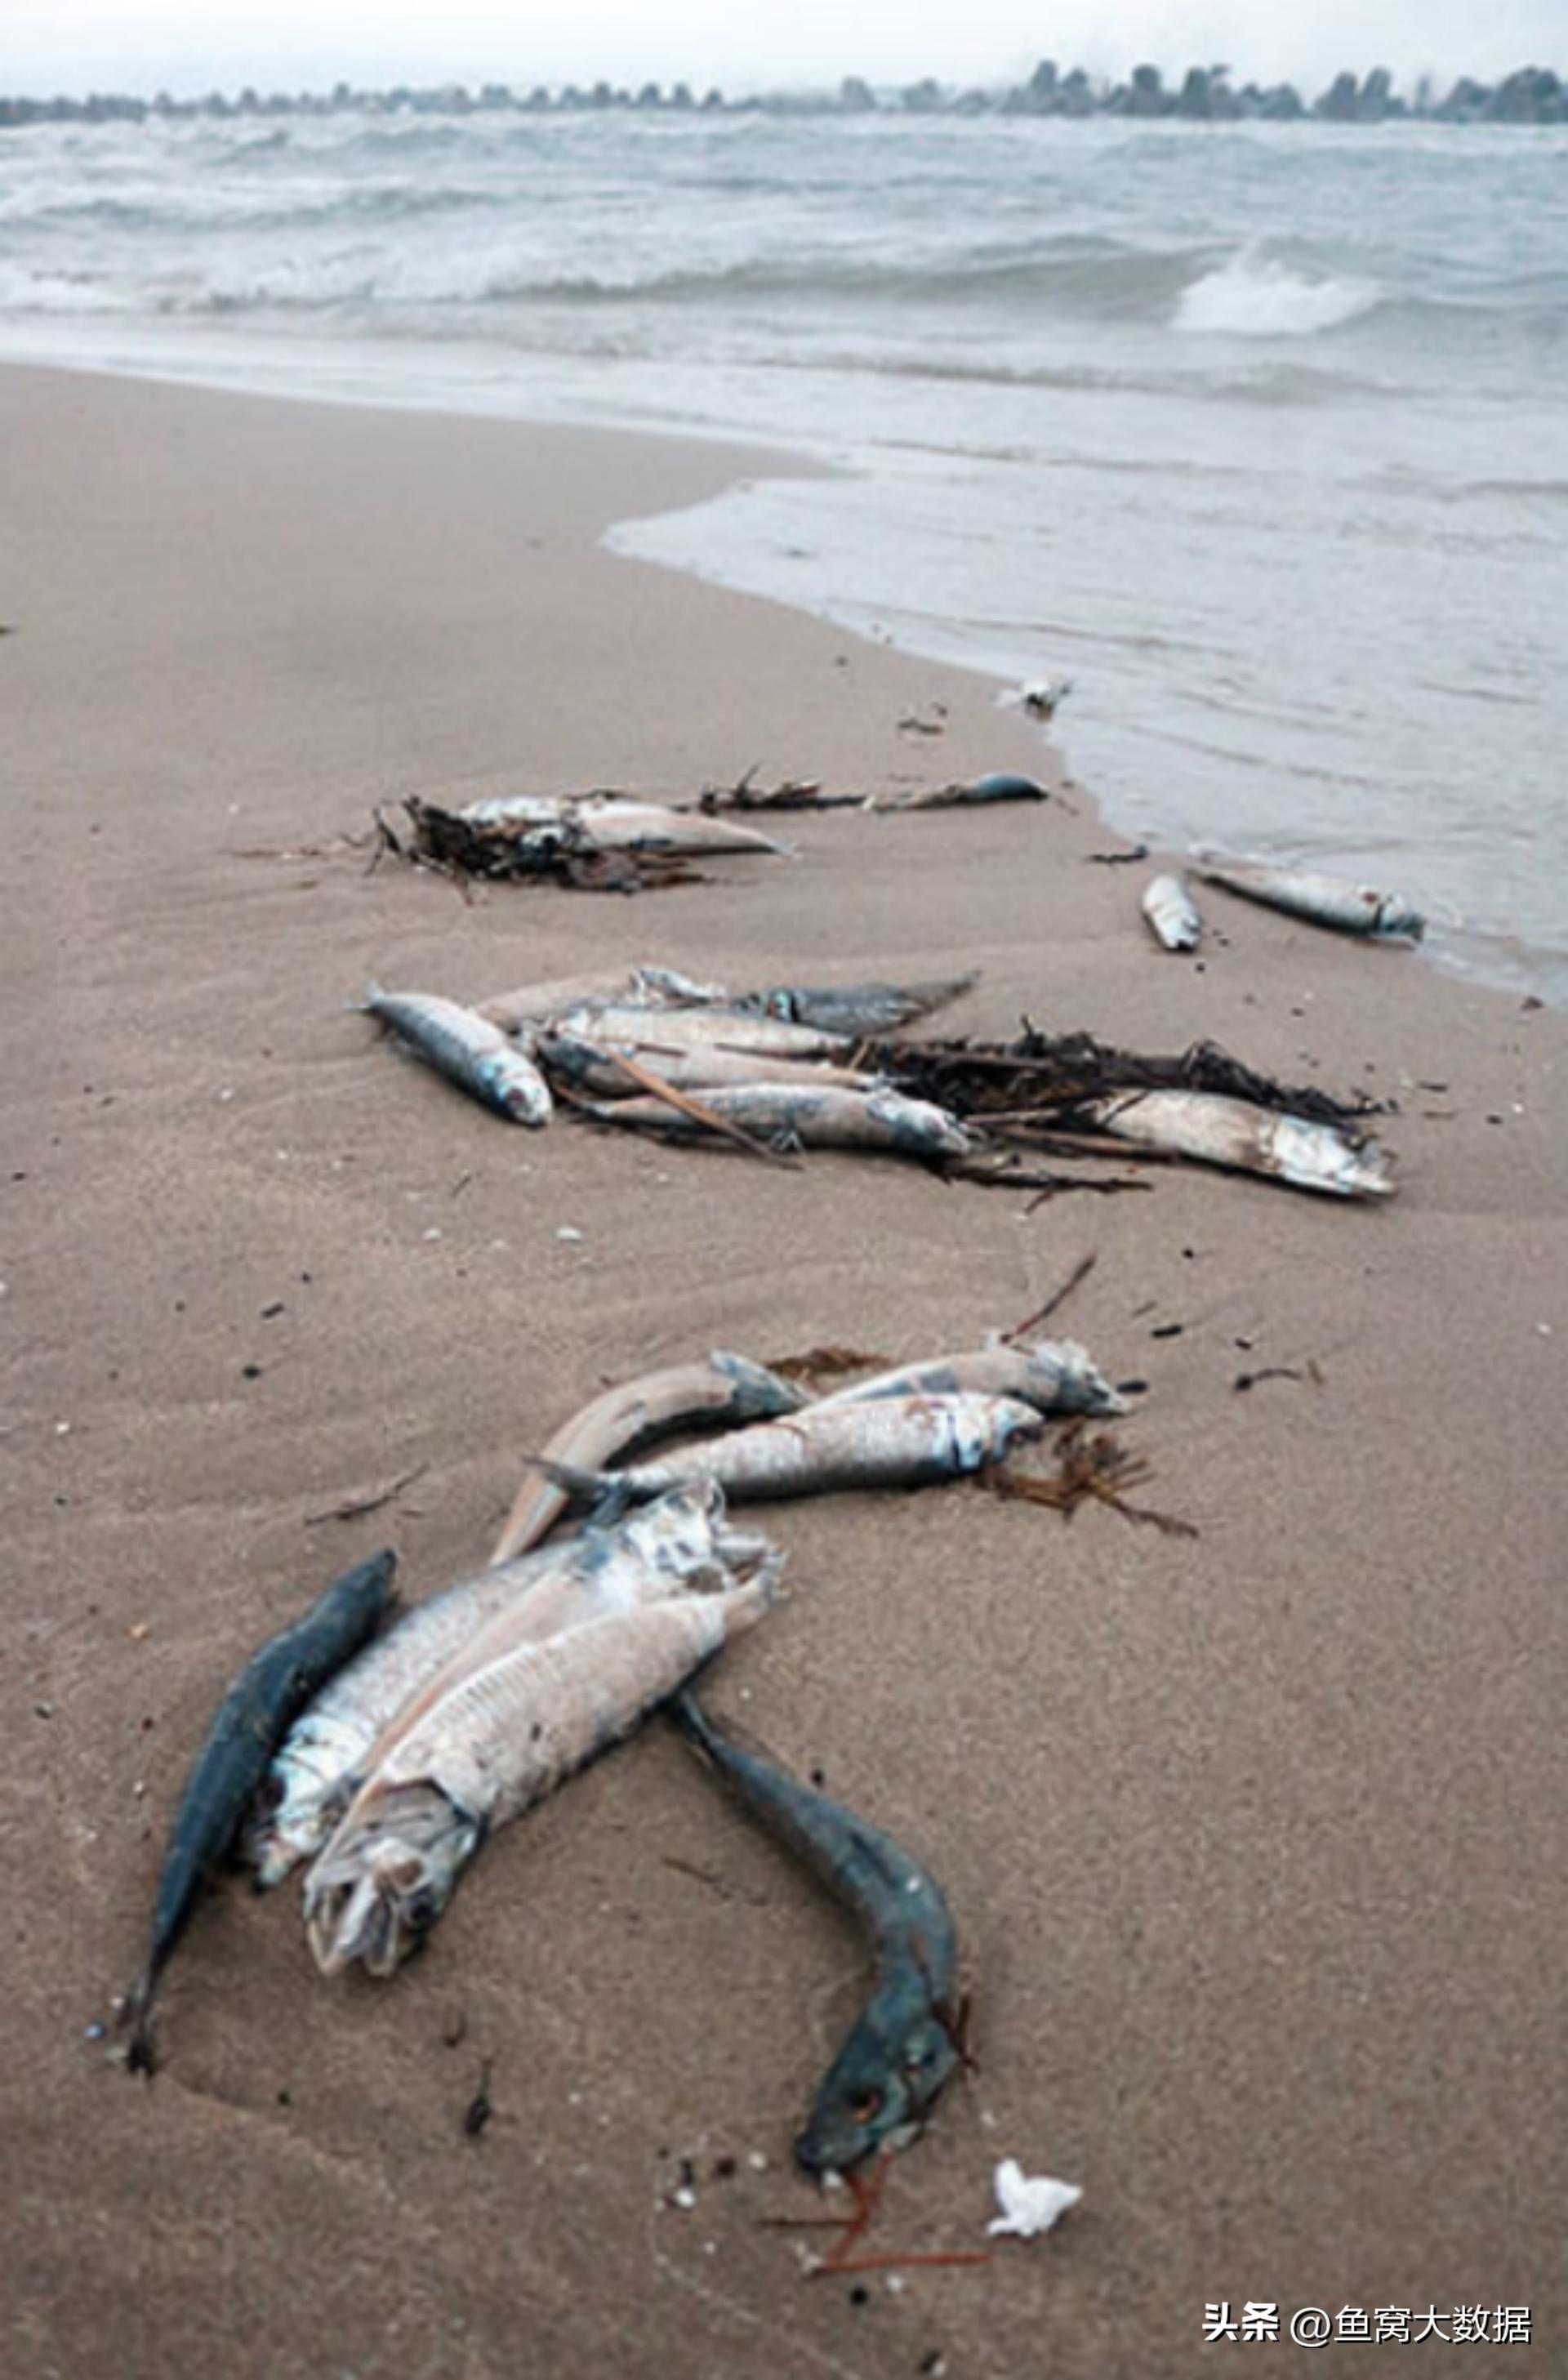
(421, 1911)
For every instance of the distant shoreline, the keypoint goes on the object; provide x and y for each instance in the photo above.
(1531, 95)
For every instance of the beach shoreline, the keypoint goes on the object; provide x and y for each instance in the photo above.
(1250, 1838)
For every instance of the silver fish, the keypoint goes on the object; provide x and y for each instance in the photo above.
(723, 1390)
(1173, 912)
(806, 1117)
(469, 1049)
(1249, 1139)
(1054, 1376)
(579, 1579)
(614, 822)
(504, 1735)
(1321, 900)
(645, 987)
(884, 1442)
(702, 1029)
(982, 790)
(594, 1066)
(856, 1008)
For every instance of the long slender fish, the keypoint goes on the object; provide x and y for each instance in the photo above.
(1055, 1375)
(615, 822)
(856, 1008)
(593, 1067)
(469, 1049)
(1233, 1133)
(1171, 914)
(703, 1028)
(804, 1116)
(485, 1753)
(904, 2044)
(1321, 900)
(646, 987)
(723, 1390)
(997, 788)
(887, 1442)
(268, 1693)
(304, 1787)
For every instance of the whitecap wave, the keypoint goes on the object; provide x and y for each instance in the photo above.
(1252, 297)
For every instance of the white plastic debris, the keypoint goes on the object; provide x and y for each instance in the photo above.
(569, 1232)
(1030, 2204)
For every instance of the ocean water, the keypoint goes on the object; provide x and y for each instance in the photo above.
(1258, 434)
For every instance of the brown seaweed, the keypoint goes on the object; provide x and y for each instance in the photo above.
(1052, 1081)
(1092, 1467)
(568, 855)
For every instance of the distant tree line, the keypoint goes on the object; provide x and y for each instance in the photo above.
(1205, 95)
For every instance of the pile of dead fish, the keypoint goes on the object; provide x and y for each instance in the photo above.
(622, 842)
(384, 1757)
(790, 1067)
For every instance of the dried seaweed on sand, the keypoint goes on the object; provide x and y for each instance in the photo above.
(1092, 1467)
(1058, 1080)
(569, 855)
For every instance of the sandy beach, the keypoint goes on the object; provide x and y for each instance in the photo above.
(1255, 1839)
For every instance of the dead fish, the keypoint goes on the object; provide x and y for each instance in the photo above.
(662, 987)
(1054, 1376)
(614, 822)
(804, 1116)
(906, 2041)
(719, 1392)
(1173, 912)
(887, 1442)
(681, 1546)
(467, 1049)
(998, 788)
(1249, 1139)
(646, 987)
(702, 1029)
(496, 1743)
(268, 1694)
(304, 1789)
(594, 1066)
(856, 1009)
(1321, 900)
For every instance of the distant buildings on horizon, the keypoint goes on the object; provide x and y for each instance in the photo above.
(1206, 94)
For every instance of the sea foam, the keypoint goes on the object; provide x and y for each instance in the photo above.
(1252, 297)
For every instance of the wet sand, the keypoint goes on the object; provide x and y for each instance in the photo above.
(1255, 1839)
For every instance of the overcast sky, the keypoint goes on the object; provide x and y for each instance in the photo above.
(193, 44)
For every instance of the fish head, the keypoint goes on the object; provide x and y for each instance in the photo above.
(514, 1092)
(759, 1394)
(1396, 916)
(384, 1878)
(1061, 1376)
(881, 2086)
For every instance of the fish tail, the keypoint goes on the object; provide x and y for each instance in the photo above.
(136, 2023)
(366, 1007)
(694, 1723)
(606, 1493)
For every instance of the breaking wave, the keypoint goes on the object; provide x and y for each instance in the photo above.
(1254, 296)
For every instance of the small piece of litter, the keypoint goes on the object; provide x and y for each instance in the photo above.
(141, 1628)
(569, 1232)
(1030, 2204)
(62, 1429)
(432, 1234)
(757, 2161)
(683, 2198)
(95, 2032)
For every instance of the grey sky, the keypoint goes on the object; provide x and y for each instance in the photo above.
(78, 45)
